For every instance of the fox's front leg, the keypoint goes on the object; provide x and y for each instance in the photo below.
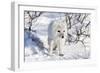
(51, 48)
(60, 47)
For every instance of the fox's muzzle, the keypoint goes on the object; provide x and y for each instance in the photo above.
(61, 35)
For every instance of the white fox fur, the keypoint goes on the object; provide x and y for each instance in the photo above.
(57, 34)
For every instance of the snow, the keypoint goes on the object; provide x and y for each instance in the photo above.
(74, 51)
(36, 41)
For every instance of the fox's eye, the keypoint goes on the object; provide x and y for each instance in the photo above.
(58, 30)
(64, 31)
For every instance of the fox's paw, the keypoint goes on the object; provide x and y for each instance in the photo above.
(61, 54)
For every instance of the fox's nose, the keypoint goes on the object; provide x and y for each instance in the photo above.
(62, 36)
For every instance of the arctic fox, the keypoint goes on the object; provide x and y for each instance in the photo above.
(57, 34)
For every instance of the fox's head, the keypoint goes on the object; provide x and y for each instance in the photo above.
(61, 29)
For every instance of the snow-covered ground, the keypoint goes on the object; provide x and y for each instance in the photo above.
(74, 51)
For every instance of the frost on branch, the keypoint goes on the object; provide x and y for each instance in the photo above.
(78, 27)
